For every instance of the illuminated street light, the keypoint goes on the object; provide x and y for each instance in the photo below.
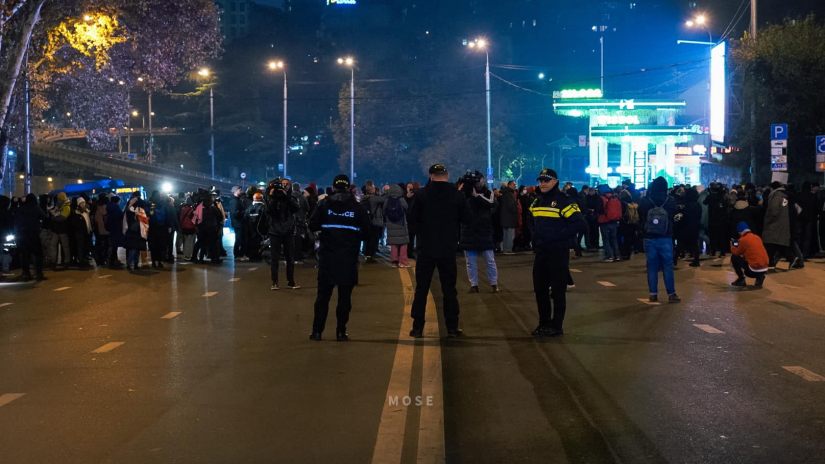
(276, 66)
(166, 187)
(350, 62)
(49, 179)
(206, 73)
(482, 44)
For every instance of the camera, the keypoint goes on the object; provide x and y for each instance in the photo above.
(470, 181)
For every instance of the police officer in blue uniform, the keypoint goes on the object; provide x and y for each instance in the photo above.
(556, 219)
(343, 223)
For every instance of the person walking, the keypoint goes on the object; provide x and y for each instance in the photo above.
(557, 219)
(438, 211)
(658, 210)
(343, 223)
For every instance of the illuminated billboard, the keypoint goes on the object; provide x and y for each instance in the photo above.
(342, 2)
(718, 92)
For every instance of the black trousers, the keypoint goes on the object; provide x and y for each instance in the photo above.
(101, 249)
(740, 266)
(592, 238)
(239, 249)
(551, 270)
(322, 306)
(277, 243)
(447, 273)
(774, 250)
(688, 245)
(158, 239)
(371, 245)
(28, 246)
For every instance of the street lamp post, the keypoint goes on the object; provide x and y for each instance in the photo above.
(275, 65)
(350, 63)
(151, 135)
(702, 22)
(205, 73)
(600, 30)
(481, 44)
(28, 180)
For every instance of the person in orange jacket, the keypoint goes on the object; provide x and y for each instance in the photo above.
(748, 257)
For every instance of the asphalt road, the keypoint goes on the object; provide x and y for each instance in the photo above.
(726, 376)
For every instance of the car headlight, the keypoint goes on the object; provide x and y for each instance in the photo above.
(10, 238)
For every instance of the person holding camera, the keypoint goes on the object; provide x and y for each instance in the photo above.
(281, 207)
(748, 257)
(476, 236)
(343, 224)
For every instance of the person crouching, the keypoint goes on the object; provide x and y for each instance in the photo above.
(749, 257)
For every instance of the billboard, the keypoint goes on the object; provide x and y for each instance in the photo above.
(718, 92)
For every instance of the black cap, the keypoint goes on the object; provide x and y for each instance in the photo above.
(438, 168)
(341, 181)
(546, 174)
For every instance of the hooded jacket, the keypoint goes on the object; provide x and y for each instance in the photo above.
(477, 227)
(657, 197)
(397, 232)
(777, 226)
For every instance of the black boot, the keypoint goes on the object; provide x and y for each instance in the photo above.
(341, 334)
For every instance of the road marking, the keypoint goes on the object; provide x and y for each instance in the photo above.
(7, 398)
(105, 276)
(172, 315)
(389, 443)
(61, 289)
(209, 294)
(108, 347)
(3, 305)
(648, 302)
(234, 279)
(575, 270)
(605, 283)
(804, 373)
(708, 328)
(253, 269)
(431, 447)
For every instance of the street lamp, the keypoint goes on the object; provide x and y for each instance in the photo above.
(601, 29)
(205, 73)
(700, 21)
(276, 66)
(350, 63)
(482, 45)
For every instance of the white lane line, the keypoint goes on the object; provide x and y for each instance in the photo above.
(61, 289)
(804, 373)
(708, 328)
(3, 305)
(209, 294)
(171, 315)
(253, 269)
(389, 443)
(7, 398)
(234, 279)
(108, 347)
(105, 276)
(648, 302)
(605, 283)
(575, 270)
(431, 446)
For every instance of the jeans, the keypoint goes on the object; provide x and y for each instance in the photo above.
(472, 266)
(610, 239)
(659, 255)
(507, 240)
(132, 258)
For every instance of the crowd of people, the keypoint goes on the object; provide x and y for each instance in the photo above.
(287, 224)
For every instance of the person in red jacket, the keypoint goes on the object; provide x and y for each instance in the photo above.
(748, 257)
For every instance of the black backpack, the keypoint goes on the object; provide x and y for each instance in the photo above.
(658, 219)
(393, 211)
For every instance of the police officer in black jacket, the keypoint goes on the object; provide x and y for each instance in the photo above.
(556, 219)
(437, 215)
(343, 224)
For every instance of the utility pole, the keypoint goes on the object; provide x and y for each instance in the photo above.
(753, 166)
(28, 181)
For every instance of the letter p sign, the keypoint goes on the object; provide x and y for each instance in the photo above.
(779, 132)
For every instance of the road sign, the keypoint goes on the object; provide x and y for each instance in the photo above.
(779, 132)
(779, 144)
(777, 151)
(243, 175)
(490, 173)
(582, 140)
(281, 167)
(820, 144)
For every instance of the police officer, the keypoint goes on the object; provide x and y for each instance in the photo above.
(437, 213)
(556, 219)
(343, 224)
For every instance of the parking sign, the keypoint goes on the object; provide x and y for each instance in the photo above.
(779, 132)
(820, 153)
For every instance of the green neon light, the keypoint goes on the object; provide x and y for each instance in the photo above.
(578, 93)
(629, 104)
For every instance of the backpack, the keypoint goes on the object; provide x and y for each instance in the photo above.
(613, 209)
(187, 215)
(393, 211)
(631, 215)
(658, 220)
